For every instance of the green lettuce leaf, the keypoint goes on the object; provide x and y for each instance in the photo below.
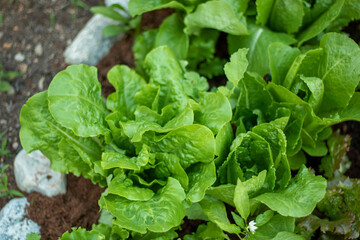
(299, 198)
(159, 214)
(216, 15)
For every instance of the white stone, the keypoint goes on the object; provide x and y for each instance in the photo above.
(19, 57)
(38, 49)
(33, 173)
(123, 3)
(90, 46)
(13, 224)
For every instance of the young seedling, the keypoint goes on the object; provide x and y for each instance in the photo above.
(4, 185)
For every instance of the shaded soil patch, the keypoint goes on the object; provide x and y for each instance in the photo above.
(78, 207)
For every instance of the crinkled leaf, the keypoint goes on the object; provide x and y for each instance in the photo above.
(161, 213)
(76, 103)
(82, 234)
(215, 111)
(39, 131)
(201, 177)
(120, 160)
(299, 198)
(122, 186)
(126, 82)
(165, 71)
(191, 143)
(216, 15)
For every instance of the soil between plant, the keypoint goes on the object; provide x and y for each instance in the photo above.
(27, 23)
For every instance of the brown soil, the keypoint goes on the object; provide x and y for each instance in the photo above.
(56, 215)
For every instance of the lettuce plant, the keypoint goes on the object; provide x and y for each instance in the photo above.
(166, 148)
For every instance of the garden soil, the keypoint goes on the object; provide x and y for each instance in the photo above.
(53, 24)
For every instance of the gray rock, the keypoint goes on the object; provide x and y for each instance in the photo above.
(33, 173)
(38, 49)
(19, 57)
(13, 224)
(123, 3)
(90, 46)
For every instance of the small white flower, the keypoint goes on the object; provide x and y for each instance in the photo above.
(252, 226)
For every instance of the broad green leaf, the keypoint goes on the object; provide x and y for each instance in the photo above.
(224, 193)
(126, 83)
(216, 15)
(161, 213)
(165, 72)
(264, 217)
(241, 200)
(352, 111)
(320, 23)
(339, 70)
(281, 56)
(39, 131)
(194, 84)
(122, 186)
(171, 33)
(258, 42)
(138, 7)
(195, 212)
(168, 165)
(201, 177)
(215, 111)
(286, 16)
(273, 227)
(255, 183)
(120, 160)
(299, 198)
(216, 212)
(76, 103)
(239, 7)
(82, 234)
(263, 9)
(191, 143)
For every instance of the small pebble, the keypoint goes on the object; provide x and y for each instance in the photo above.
(19, 57)
(3, 122)
(38, 49)
(15, 145)
(23, 67)
(1, 34)
(7, 46)
(11, 91)
(15, 28)
(41, 83)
